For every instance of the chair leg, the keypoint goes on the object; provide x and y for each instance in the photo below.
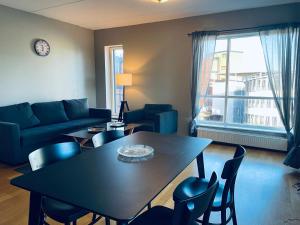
(107, 221)
(205, 220)
(94, 216)
(42, 218)
(234, 220)
(223, 216)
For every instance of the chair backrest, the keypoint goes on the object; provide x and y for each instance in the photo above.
(107, 136)
(53, 153)
(231, 166)
(230, 171)
(189, 209)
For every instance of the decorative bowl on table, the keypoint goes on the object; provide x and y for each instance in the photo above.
(135, 153)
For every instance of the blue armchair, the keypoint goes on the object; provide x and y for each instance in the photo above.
(160, 118)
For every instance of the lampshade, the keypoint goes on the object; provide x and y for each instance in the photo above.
(124, 79)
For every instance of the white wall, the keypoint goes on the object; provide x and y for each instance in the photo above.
(159, 55)
(68, 72)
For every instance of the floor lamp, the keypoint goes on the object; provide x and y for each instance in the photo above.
(124, 80)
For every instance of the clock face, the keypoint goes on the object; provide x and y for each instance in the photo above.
(42, 47)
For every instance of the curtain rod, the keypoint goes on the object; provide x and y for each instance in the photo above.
(249, 28)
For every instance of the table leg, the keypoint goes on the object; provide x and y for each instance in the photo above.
(200, 165)
(107, 221)
(35, 209)
(82, 143)
(131, 131)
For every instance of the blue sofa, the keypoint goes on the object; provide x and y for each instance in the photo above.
(25, 127)
(160, 118)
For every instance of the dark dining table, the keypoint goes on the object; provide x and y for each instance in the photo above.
(100, 182)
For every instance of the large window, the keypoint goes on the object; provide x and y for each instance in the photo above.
(238, 92)
(113, 66)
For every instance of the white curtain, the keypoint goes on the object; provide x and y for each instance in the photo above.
(203, 54)
(281, 47)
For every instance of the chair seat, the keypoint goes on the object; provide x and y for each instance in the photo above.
(60, 211)
(195, 185)
(158, 215)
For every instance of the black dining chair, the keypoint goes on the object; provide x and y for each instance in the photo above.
(107, 136)
(56, 210)
(185, 211)
(225, 194)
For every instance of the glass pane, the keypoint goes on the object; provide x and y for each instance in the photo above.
(253, 112)
(247, 70)
(212, 109)
(217, 80)
(118, 68)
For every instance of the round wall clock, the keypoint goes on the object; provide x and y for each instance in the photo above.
(42, 47)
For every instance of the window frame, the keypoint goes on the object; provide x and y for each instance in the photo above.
(110, 82)
(226, 96)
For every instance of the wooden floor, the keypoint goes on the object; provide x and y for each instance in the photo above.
(266, 190)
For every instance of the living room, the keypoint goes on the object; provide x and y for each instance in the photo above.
(71, 54)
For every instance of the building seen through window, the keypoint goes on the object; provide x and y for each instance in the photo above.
(238, 92)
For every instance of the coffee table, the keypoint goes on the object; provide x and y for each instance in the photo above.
(83, 136)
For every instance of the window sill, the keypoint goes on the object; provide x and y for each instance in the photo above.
(276, 133)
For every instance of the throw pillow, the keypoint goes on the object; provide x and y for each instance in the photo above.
(19, 113)
(50, 112)
(76, 108)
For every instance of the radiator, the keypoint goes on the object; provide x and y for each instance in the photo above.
(247, 139)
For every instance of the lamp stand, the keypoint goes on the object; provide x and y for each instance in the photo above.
(122, 107)
(122, 110)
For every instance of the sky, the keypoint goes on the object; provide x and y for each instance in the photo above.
(251, 59)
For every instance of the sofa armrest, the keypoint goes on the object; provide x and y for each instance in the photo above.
(10, 150)
(133, 116)
(166, 122)
(100, 113)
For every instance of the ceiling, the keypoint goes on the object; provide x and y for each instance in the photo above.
(100, 14)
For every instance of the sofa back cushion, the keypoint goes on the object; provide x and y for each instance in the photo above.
(50, 112)
(76, 108)
(152, 109)
(20, 113)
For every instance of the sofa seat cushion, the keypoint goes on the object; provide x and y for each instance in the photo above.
(20, 114)
(85, 122)
(41, 134)
(50, 112)
(76, 108)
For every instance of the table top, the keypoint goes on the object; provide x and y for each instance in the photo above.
(85, 134)
(97, 181)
